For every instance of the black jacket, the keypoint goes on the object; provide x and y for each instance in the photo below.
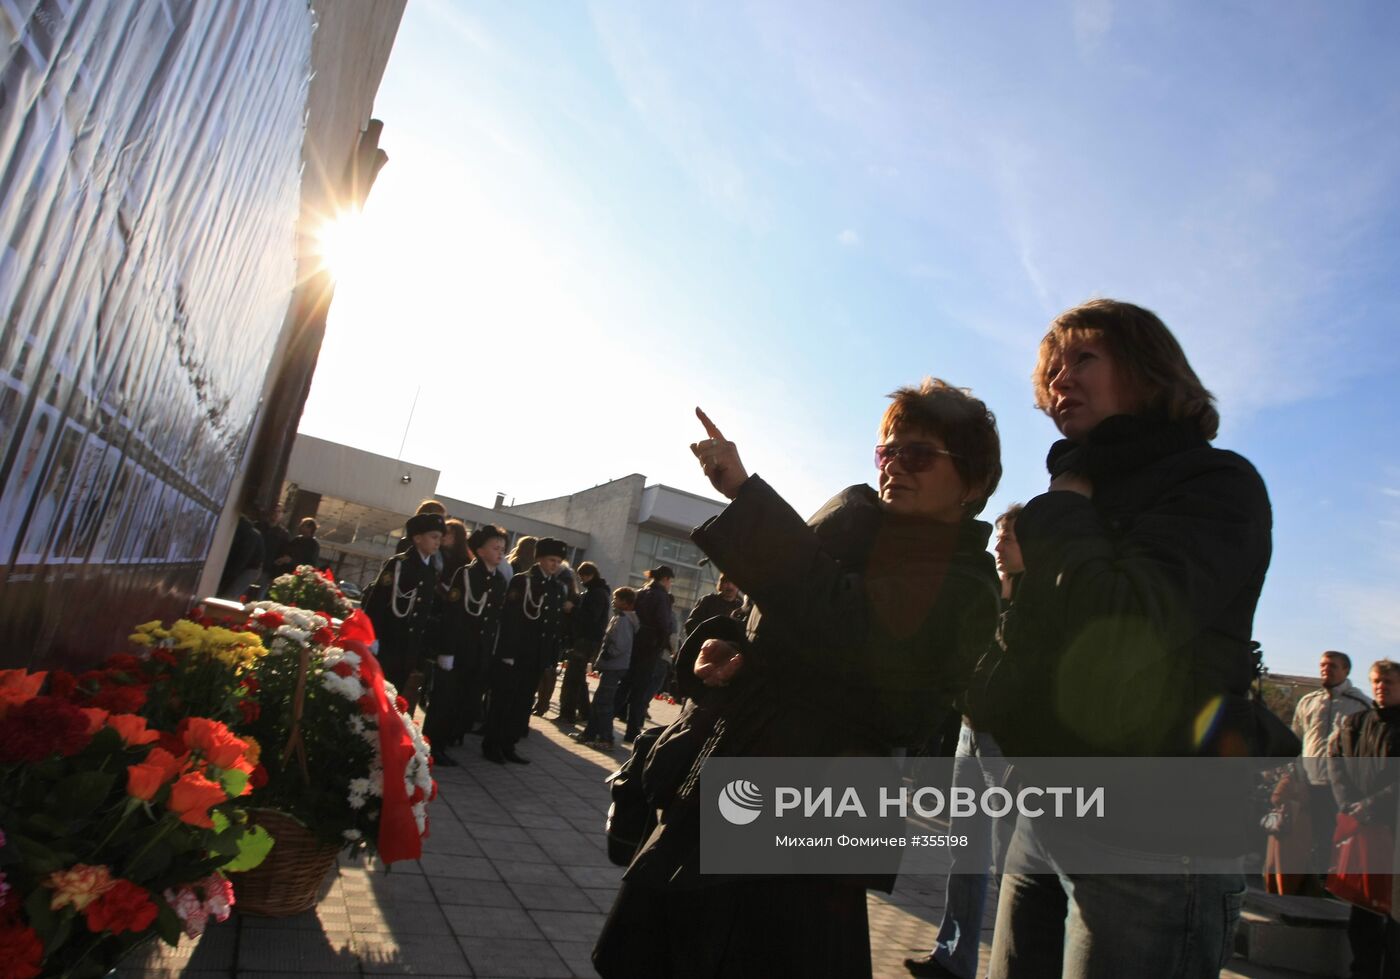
(302, 550)
(712, 605)
(656, 622)
(406, 622)
(532, 616)
(471, 614)
(1356, 762)
(590, 615)
(865, 631)
(1134, 614)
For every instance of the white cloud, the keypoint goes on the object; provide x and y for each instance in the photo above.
(1092, 21)
(849, 237)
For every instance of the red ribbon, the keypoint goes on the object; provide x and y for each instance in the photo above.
(398, 832)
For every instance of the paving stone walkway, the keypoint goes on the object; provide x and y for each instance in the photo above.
(514, 882)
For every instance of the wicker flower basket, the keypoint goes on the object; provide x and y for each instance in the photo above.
(289, 880)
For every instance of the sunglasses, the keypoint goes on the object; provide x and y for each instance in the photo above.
(915, 457)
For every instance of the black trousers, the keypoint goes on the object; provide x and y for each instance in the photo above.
(1375, 945)
(512, 693)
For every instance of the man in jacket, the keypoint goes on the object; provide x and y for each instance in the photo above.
(657, 622)
(1366, 792)
(531, 626)
(1315, 720)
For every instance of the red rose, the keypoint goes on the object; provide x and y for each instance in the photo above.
(126, 907)
(417, 795)
(324, 635)
(62, 684)
(42, 727)
(191, 797)
(367, 704)
(250, 711)
(343, 669)
(213, 740)
(270, 620)
(250, 683)
(162, 655)
(23, 952)
(401, 705)
(124, 663)
(259, 777)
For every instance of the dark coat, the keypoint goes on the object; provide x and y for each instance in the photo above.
(656, 620)
(406, 624)
(471, 614)
(1374, 735)
(301, 550)
(275, 539)
(712, 605)
(1136, 607)
(591, 613)
(532, 617)
(865, 630)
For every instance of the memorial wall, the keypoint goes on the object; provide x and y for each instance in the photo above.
(150, 166)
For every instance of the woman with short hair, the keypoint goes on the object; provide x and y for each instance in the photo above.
(868, 621)
(1130, 636)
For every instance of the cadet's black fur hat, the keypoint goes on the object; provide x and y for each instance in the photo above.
(550, 547)
(484, 535)
(424, 523)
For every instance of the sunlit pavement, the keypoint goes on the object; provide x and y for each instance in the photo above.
(514, 881)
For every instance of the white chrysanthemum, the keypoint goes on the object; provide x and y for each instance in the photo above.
(351, 657)
(345, 686)
(420, 816)
(352, 834)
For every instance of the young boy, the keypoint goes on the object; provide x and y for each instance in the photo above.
(613, 663)
(404, 607)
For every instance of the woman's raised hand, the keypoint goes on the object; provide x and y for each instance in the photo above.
(719, 458)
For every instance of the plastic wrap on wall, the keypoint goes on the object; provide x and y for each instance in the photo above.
(150, 159)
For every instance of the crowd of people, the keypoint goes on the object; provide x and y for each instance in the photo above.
(1115, 620)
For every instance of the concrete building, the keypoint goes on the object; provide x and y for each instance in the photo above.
(361, 501)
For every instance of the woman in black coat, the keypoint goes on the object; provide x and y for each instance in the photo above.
(868, 621)
(1130, 636)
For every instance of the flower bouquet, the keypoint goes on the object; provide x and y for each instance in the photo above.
(309, 589)
(329, 773)
(111, 831)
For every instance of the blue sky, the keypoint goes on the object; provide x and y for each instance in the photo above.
(597, 216)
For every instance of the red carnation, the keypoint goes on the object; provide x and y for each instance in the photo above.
(123, 662)
(401, 704)
(417, 795)
(250, 683)
(258, 778)
(24, 953)
(121, 700)
(270, 620)
(162, 655)
(249, 710)
(324, 635)
(343, 669)
(126, 907)
(41, 727)
(367, 704)
(62, 684)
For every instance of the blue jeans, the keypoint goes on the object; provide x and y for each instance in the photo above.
(1169, 922)
(600, 719)
(646, 681)
(978, 763)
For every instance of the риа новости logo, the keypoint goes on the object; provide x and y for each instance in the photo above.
(740, 802)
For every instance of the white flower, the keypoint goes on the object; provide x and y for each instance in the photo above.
(352, 834)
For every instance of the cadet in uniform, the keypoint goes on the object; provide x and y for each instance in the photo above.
(531, 627)
(471, 616)
(403, 605)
